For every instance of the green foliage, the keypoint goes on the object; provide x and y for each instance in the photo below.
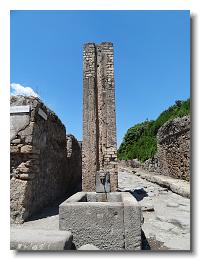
(140, 140)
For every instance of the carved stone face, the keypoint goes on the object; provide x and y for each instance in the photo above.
(102, 181)
(102, 176)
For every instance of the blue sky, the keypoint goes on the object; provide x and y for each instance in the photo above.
(151, 62)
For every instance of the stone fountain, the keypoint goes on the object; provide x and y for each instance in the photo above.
(100, 215)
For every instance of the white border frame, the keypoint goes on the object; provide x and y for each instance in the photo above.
(5, 7)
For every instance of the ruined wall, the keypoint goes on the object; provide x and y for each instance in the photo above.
(39, 161)
(173, 156)
(99, 149)
(74, 164)
(151, 165)
(134, 163)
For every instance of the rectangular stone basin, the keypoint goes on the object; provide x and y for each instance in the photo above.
(109, 221)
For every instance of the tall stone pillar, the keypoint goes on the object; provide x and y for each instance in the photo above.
(99, 150)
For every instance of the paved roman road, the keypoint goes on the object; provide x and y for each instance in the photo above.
(166, 214)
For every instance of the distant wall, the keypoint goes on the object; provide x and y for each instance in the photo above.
(74, 164)
(173, 156)
(41, 161)
(134, 163)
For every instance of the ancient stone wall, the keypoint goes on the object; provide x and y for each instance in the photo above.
(151, 165)
(74, 164)
(99, 149)
(173, 156)
(40, 161)
(134, 163)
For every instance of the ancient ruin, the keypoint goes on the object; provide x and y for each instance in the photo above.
(106, 205)
(99, 148)
(45, 164)
(99, 215)
(173, 150)
(111, 224)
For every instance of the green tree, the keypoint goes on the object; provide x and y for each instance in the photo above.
(140, 140)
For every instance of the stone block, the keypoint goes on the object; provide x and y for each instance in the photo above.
(26, 176)
(26, 149)
(28, 131)
(14, 149)
(17, 123)
(132, 222)
(29, 239)
(94, 222)
(16, 141)
(114, 224)
(88, 247)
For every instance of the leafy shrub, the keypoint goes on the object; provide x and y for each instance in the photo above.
(140, 140)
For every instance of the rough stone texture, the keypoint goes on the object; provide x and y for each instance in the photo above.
(74, 164)
(173, 156)
(135, 163)
(132, 222)
(28, 239)
(166, 225)
(99, 149)
(102, 186)
(40, 160)
(151, 165)
(88, 247)
(178, 186)
(111, 225)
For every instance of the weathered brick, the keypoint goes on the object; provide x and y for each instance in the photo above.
(99, 120)
(44, 169)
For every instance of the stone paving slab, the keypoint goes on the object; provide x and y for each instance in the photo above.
(39, 239)
(180, 187)
(166, 214)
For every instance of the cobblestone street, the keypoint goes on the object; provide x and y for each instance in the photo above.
(166, 214)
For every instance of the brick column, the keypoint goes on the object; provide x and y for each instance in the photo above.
(99, 121)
